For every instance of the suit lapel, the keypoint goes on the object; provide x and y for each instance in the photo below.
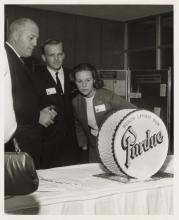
(97, 101)
(83, 110)
(48, 78)
(66, 82)
(17, 62)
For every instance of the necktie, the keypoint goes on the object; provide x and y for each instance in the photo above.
(59, 86)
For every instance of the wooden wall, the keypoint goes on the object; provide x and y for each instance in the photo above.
(97, 41)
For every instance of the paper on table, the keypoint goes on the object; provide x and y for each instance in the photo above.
(84, 179)
(66, 178)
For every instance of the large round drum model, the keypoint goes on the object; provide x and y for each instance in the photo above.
(133, 142)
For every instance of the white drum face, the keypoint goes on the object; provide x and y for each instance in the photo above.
(137, 145)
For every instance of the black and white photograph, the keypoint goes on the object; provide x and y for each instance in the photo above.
(88, 108)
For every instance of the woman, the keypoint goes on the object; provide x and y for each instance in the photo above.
(92, 106)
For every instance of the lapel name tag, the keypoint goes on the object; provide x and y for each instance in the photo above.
(94, 132)
(51, 91)
(100, 108)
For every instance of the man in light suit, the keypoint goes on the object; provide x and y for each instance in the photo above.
(10, 123)
(54, 88)
(22, 39)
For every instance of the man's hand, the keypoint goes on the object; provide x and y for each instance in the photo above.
(47, 116)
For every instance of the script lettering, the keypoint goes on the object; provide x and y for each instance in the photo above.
(133, 149)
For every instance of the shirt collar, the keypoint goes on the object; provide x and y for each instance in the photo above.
(13, 49)
(53, 71)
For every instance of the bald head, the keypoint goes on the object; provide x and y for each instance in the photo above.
(23, 34)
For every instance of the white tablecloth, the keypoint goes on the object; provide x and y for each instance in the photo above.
(75, 190)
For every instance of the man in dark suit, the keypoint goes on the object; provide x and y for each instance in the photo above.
(22, 39)
(54, 88)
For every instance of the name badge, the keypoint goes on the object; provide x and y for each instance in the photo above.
(51, 91)
(94, 132)
(100, 108)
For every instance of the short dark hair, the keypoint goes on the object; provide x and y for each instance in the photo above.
(51, 42)
(86, 66)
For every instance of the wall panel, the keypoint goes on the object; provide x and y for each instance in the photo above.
(70, 40)
(91, 40)
(112, 38)
(88, 41)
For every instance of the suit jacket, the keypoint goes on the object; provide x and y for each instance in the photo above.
(104, 98)
(25, 100)
(59, 141)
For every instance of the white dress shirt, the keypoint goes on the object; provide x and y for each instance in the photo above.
(10, 123)
(12, 48)
(60, 75)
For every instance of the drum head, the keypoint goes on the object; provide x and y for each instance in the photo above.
(133, 142)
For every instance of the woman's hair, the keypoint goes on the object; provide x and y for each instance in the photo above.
(86, 66)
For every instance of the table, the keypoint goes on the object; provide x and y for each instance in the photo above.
(88, 189)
